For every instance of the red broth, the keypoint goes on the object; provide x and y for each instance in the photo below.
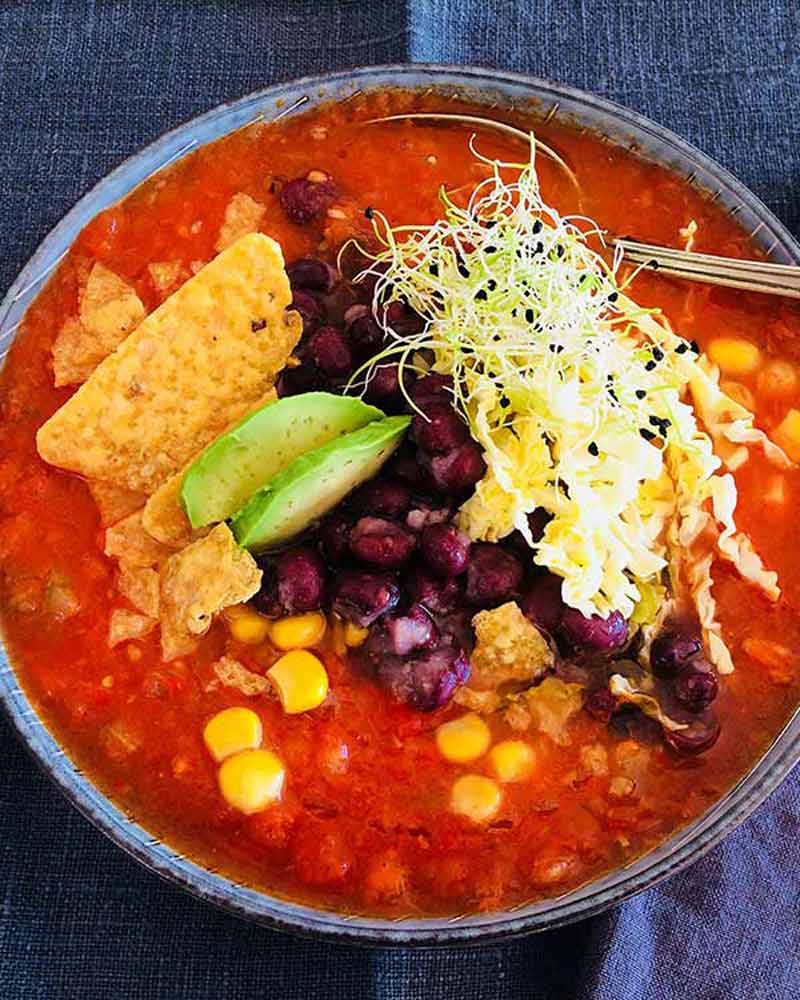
(364, 822)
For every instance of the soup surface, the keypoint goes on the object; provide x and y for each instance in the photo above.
(365, 820)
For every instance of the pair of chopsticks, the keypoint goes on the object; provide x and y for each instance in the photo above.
(750, 275)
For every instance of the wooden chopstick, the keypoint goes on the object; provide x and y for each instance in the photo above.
(751, 275)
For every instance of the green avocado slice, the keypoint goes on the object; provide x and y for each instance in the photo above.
(221, 480)
(314, 483)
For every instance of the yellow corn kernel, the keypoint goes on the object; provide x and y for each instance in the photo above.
(463, 739)
(232, 730)
(734, 356)
(512, 760)
(739, 394)
(251, 780)
(298, 631)
(476, 797)
(354, 635)
(778, 378)
(247, 626)
(301, 680)
(787, 434)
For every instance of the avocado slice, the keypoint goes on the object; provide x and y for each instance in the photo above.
(221, 480)
(314, 483)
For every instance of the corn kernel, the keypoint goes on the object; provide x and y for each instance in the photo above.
(739, 394)
(476, 797)
(778, 378)
(512, 760)
(247, 626)
(232, 730)
(734, 356)
(463, 739)
(354, 635)
(787, 434)
(301, 680)
(251, 780)
(298, 631)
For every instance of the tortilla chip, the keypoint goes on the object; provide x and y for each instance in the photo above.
(243, 215)
(200, 580)
(165, 274)
(195, 364)
(140, 585)
(128, 542)
(109, 310)
(233, 674)
(114, 502)
(124, 625)
(164, 517)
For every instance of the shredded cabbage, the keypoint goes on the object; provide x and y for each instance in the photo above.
(580, 399)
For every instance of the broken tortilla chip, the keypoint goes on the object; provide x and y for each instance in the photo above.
(164, 517)
(194, 365)
(140, 585)
(128, 542)
(231, 673)
(114, 502)
(165, 274)
(109, 309)
(124, 625)
(197, 582)
(243, 215)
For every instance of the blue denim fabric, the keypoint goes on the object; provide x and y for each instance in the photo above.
(83, 85)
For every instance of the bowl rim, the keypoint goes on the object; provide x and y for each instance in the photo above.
(684, 847)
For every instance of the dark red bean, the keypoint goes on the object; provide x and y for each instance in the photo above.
(456, 471)
(313, 274)
(382, 497)
(312, 311)
(334, 534)
(422, 515)
(701, 733)
(301, 580)
(671, 650)
(365, 334)
(383, 388)
(493, 575)
(601, 704)
(593, 634)
(403, 320)
(696, 686)
(445, 549)
(425, 681)
(433, 388)
(379, 542)
(543, 603)
(438, 595)
(304, 378)
(330, 351)
(412, 631)
(361, 597)
(440, 429)
(303, 201)
(404, 464)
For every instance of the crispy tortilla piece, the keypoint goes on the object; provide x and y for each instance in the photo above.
(243, 215)
(200, 580)
(164, 517)
(109, 309)
(166, 274)
(509, 650)
(128, 542)
(140, 585)
(114, 502)
(124, 625)
(194, 365)
(231, 673)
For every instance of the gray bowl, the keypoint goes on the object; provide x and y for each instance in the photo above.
(492, 88)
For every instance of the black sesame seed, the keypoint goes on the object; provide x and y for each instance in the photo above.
(463, 270)
(529, 316)
(505, 402)
(491, 284)
(681, 348)
(658, 354)
(537, 227)
(490, 249)
(514, 312)
(434, 269)
(257, 324)
(649, 366)
(646, 434)
(480, 295)
(654, 421)
(551, 348)
(369, 213)
(613, 297)
(613, 395)
(666, 422)
(695, 347)
(539, 248)
(640, 393)
(490, 224)
(593, 449)
(559, 251)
